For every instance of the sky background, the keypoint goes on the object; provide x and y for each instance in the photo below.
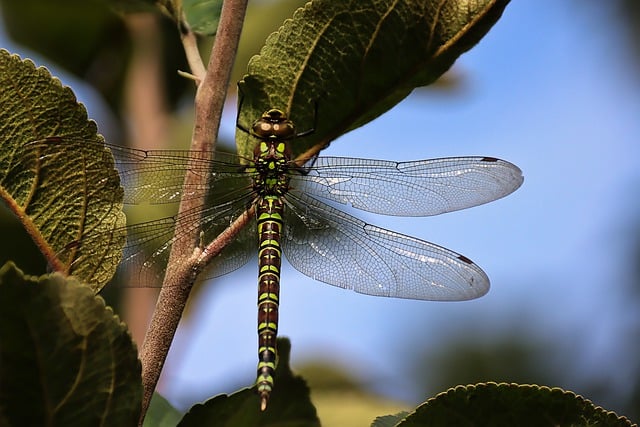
(550, 88)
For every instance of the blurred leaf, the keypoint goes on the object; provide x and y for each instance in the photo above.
(133, 6)
(84, 37)
(61, 193)
(516, 355)
(161, 413)
(169, 7)
(629, 23)
(92, 42)
(505, 404)
(340, 398)
(289, 405)
(356, 60)
(203, 15)
(66, 359)
(389, 420)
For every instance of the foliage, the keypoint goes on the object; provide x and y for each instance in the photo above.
(62, 348)
(67, 360)
(510, 404)
(58, 200)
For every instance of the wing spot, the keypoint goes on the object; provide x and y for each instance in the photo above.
(465, 259)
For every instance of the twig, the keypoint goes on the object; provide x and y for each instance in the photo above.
(181, 269)
(190, 45)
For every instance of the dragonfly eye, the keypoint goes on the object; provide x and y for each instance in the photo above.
(283, 130)
(262, 129)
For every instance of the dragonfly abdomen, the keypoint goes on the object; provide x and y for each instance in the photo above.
(269, 213)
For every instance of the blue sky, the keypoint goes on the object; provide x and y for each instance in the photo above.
(547, 89)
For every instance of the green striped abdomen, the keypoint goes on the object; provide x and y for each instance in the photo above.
(269, 213)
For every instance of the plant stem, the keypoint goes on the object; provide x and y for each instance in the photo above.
(190, 45)
(182, 265)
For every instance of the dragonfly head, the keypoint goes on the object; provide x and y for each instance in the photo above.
(273, 125)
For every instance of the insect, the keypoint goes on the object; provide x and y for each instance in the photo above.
(290, 217)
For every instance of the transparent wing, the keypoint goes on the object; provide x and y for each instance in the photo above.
(336, 248)
(210, 222)
(418, 188)
(149, 243)
(157, 177)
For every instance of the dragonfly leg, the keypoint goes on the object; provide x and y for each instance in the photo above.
(240, 102)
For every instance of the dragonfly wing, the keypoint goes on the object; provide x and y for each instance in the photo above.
(157, 176)
(331, 246)
(417, 188)
(237, 253)
(149, 244)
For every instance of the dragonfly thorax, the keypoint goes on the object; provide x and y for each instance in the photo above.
(271, 165)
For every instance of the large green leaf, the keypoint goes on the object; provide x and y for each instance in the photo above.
(355, 59)
(507, 405)
(62, 190)
(66, 359)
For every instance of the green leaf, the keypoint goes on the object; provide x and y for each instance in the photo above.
(161, 413)
(355, 60)
(66, 358)
(389, 420)
(289, 405)
(509, 405)
(202, 15)
(62, 190)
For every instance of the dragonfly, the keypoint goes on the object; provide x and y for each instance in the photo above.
(291, 213)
